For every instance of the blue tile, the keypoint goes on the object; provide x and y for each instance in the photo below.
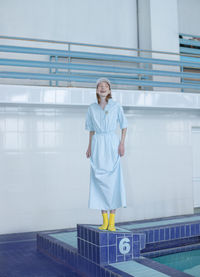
(188, 233)
(172, 233)
(86, 234)
(92, 269)
(112, 254)
(136, 249)
(104, 254)
(98, 255)
(79, 244)
(103, 238)
(84, 264)
(120, 258)
(97, 238)
(136, 237)
(93, 237)
(150, 236)
(78, 231)
(65, 256)
(120, 235)
(98, 271)
(162, 234)
(102, 272)
(178, 232)
(142, 241)
(73, 259)
(193, 230)
(87, 249)
(90, 235)
(62, 253)
(58, 251)
(167, 234)
(182, 231)
(156, 235)
(146, 235)
(53, 250)
(82, 247)
(95, 253)
(90, 252)
(197, 229)
(128, 257)
(112, 239)
(107, 273)
(81, 231)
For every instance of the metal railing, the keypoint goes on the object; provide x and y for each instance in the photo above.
(79, 64)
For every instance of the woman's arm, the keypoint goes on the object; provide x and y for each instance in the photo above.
(121, 149)
(88, 153)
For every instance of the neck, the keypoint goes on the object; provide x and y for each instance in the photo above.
(102, 100)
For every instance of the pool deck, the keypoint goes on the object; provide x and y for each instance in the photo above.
(97, 253)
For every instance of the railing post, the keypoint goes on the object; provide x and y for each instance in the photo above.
(69, 61)
(182, 79)
(139, 75)
(56, 70)
(50, 71)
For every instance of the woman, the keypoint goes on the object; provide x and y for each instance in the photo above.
(107, 190)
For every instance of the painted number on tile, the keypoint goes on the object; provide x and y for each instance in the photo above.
(124, 246)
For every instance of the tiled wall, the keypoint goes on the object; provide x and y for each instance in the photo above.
(45, 173)
(108, 247)
(69, 256)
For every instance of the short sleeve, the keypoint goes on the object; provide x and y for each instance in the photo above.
(123, 123)
(88, 121)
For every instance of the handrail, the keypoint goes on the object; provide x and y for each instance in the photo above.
(87, 44)
(91, 55)
(189, 42)
(85, 67)
(78, 66)
(187, 35)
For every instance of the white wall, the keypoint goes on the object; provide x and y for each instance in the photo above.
(158, 31)
(105, 22)
(188, 17)
(45, 173)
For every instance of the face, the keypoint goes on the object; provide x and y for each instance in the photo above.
(103, 89)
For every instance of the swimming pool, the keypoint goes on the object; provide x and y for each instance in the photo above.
(135, 249)
(187, 262)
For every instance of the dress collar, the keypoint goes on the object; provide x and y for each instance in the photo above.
(110, 100)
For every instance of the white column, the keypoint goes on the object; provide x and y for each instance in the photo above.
(158, 31)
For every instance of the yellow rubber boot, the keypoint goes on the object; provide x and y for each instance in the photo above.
(105, 222)
(111, 226)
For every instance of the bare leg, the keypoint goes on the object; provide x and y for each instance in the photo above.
(104, 211)
(112, 211)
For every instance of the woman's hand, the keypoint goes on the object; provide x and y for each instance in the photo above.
(121, 149)
(88, 153)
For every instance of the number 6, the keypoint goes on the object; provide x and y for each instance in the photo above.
(124, 246)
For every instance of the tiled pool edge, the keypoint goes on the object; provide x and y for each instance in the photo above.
(67, 255)
(161, 267)
(64, 253)
(160, 236)
(168, 251)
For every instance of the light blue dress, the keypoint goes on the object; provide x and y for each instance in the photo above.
(107, 189)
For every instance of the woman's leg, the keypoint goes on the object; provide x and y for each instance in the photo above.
(104, 226)
(111, 226)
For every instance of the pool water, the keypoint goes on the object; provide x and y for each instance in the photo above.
(188, 262)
